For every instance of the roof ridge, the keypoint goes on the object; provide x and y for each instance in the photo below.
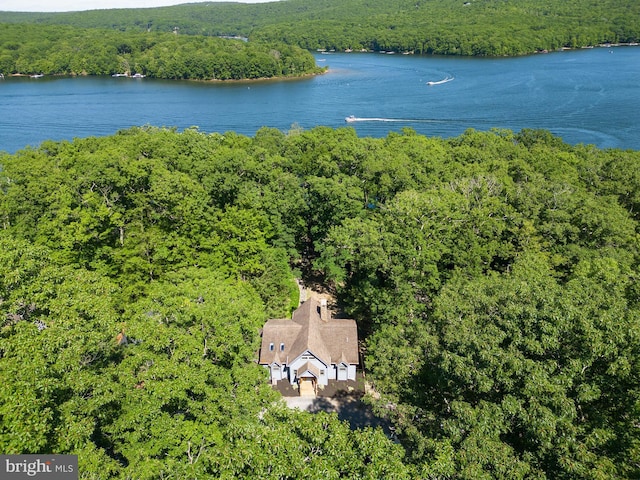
(328, 340)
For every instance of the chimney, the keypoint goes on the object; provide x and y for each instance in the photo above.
(324, 312)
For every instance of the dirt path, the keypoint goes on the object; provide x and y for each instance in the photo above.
(314, 291)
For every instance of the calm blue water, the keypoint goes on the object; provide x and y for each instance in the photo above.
(584, 96)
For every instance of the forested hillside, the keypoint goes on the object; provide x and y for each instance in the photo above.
(494, 277)
(456, 27)
(63, 50)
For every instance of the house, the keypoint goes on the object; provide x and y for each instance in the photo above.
(311, 348)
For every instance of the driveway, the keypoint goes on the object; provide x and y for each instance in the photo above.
(349, 408)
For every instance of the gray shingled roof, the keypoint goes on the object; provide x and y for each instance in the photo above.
(330, 340)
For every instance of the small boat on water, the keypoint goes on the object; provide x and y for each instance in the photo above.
(37, 75)
(137, 75)
(440, 82)
(120, 75)
(350, 118)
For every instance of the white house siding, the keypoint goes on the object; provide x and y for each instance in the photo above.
(276, 373)
(331, 372)
(300, 361)
(344, 372)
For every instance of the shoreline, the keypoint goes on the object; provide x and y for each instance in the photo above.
(535, 52)
(201, 80)
(322, 69)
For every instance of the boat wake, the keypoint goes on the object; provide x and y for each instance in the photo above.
(440, 82)
(353, 118)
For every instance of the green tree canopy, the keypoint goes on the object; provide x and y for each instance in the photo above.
(487, 27)
(494, 278)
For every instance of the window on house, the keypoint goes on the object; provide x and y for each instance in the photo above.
(282, 347)
(271, 347)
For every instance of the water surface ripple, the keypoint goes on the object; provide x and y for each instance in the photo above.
(584, 96)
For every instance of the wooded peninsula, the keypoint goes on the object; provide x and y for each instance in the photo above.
(62, 50)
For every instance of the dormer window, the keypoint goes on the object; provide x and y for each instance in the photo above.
(282, 347)
(271, 347)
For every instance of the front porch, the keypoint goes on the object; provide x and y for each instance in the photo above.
(308, 386)
(335, 388)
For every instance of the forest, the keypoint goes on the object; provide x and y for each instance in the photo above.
(474, 27)
(64, 50)
(493, 276)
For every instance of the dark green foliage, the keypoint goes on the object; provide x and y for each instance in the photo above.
(475, 27)
(494, 277)
(62, 50)
(501, 304)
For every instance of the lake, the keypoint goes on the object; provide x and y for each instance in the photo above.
(589, 96)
